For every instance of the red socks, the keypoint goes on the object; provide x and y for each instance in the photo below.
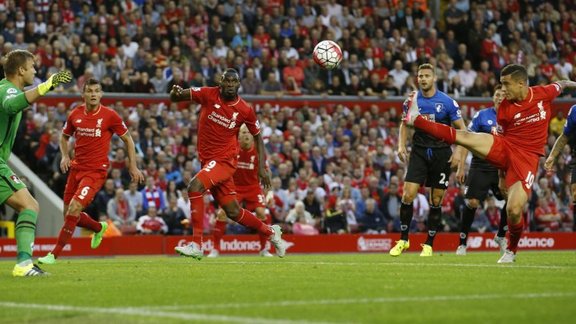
(65, 233)
(87, 222)
(515, 234)
(440, 131)
(218, 232)
(248, 219)
(262, 236)
(197, 216)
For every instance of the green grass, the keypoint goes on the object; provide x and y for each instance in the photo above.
(360, 288)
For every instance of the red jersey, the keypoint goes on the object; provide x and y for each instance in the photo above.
(219, 124)
(93, 133)
(525, 124)
(247, 169)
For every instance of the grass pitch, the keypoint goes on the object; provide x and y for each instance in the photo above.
(360, 288)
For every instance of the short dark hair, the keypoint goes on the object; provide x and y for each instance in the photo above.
(498, 87)
(426, 66)
(517, 72)
(90, 82)
(231, 72)
(15, 60)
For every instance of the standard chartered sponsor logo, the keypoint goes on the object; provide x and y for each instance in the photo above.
(531, 119)
(223, 121)
(219, 119)
(88, 132)
(245, 165)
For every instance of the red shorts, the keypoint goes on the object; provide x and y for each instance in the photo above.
(217, 177)
(83, 185)
(251, 196)
(518, 164)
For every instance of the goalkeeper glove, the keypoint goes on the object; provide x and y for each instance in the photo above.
(53, 81)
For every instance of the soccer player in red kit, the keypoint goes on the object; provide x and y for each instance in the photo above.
(248, 192)
(93, 126)
(523, 118)
(222, 113)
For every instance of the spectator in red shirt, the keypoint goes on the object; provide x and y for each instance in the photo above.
(546, 215)
(546, 67)
(294, 71)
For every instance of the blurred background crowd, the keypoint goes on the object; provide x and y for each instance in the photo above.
(333, 170)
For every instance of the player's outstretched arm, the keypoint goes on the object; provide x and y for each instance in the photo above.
(179, 94)
(561, 141)
(566, 84)
(262, 171)
(65, 152)
(135, 173)
(19, 102)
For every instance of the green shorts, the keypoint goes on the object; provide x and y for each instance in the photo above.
(9, 183)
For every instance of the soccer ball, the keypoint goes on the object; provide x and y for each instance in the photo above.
(327, 54)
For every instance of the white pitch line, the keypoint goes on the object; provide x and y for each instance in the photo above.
(417, 264)
(378, 300)
(151, 313)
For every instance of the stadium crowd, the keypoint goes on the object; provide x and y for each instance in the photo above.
(333, 171)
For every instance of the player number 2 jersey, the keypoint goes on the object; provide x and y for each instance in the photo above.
(525, 124)
(93, 133)
(219, 123)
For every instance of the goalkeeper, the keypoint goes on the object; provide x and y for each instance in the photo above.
(20, 72)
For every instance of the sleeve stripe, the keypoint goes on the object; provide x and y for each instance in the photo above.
(126, 132)
(559, 86)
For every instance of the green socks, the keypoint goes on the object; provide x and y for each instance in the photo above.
(25, 232)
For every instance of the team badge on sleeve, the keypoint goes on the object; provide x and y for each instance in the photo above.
(15, 179)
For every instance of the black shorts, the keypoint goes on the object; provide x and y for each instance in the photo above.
(429, 166)
(479, 182)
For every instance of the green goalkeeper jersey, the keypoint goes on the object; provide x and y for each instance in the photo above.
(11, 106)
